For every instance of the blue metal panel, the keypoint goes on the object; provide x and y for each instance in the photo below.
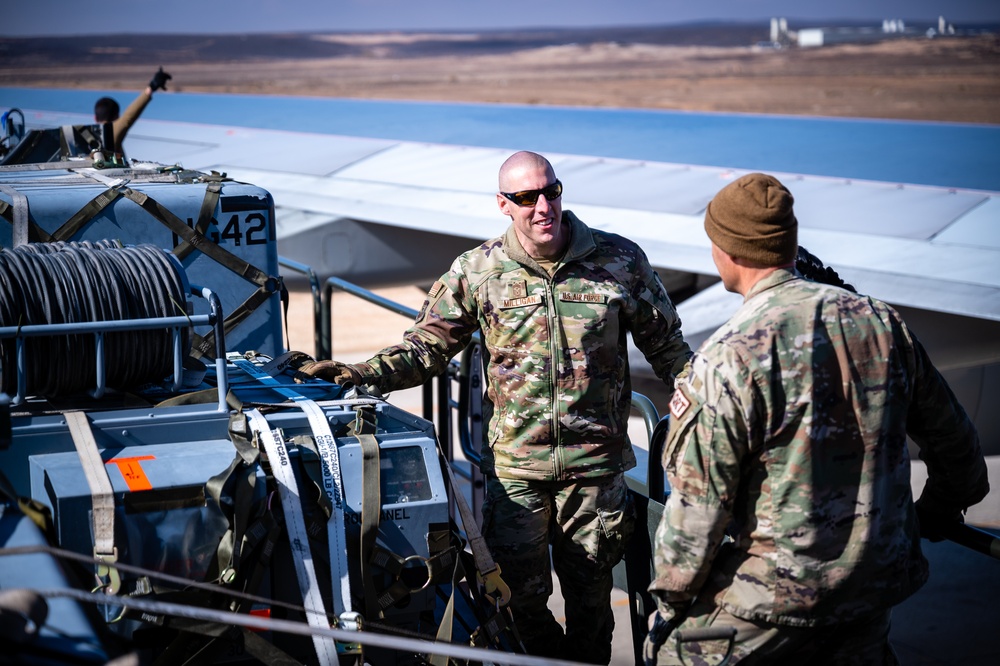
(67, 633)
(180, 541)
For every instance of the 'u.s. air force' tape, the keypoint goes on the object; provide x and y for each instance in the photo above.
(326, 446)
(288, 490)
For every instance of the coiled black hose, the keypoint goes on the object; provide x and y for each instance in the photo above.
(55, 283)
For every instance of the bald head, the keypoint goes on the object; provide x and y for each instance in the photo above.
(527, 181)
(518, 164)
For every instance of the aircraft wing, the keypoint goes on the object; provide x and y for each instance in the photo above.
(919, 246)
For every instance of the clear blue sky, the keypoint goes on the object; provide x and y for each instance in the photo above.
(71, 17)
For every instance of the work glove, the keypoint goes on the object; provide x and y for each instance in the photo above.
(334, 372)
(661, 624)
(660, 629)
(936, 520)
(159, 80)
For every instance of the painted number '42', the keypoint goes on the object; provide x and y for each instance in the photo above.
(239, 229)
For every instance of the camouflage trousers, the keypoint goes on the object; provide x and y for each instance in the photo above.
(861, 642)
(587, 524)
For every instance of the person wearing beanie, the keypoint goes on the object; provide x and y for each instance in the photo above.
(791, 523)
(752, 218)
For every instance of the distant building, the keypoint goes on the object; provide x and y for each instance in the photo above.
(890, 29)
(812, 37)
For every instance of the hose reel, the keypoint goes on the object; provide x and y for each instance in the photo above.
(76, 282)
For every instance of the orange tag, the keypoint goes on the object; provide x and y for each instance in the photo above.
(132, 472)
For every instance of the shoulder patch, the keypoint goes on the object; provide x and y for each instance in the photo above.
(436, 290)
(679, 403)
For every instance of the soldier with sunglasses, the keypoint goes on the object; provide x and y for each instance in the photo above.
(554, 301)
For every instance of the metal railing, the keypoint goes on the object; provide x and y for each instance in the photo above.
(314, 288)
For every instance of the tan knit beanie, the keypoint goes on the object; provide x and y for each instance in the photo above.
(752, 218)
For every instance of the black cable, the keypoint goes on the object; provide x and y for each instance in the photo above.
(64, 282)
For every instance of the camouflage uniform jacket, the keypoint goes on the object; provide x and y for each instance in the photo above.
(557, 362)
(790, 430)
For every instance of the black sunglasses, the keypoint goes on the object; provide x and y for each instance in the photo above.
(530, 197)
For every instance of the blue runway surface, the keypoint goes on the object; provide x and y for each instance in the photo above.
(926, 153)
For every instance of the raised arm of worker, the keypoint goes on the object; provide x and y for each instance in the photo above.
(125, 121)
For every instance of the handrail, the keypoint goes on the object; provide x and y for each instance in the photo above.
(314, 288)
(655, 483)
(471, 358)
(99, 328)
(332, 283)
(645, 408)
(219, 322)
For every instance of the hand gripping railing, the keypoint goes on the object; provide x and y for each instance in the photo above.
(99, 328)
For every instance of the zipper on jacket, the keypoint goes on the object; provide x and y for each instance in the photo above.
(558, 463)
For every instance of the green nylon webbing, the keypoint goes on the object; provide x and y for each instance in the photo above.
(192, 239)
(202, 346)
(266, 284)
(208, 204)
(17, 214)
(241, 267)
(371, 501)
(89, 211)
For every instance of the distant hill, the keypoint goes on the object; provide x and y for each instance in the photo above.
(140, 49)
(137, 49)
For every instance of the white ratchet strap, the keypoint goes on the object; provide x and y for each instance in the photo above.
(332, 483)
(101, 495)
(288, 489)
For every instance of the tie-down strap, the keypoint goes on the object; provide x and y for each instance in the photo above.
(101, 495)
(438, 570)
(266, 284)
(24, 230)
